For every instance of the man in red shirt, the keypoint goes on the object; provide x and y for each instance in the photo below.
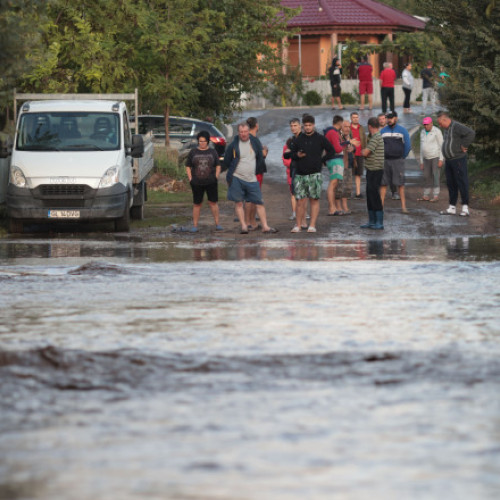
(365, 77)
(387, 78)
(358, 133)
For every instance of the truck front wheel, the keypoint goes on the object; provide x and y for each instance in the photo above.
(137, 210)
(122, 225)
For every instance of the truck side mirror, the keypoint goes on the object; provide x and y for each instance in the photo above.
(137, 146)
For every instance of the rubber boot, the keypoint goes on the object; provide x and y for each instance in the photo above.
(371, 220)
(379, 216)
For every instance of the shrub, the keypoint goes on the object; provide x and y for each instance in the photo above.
(312, 98)
(285, 89)
(347, 98)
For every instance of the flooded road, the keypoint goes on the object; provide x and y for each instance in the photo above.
(349, 365)
(257, 369)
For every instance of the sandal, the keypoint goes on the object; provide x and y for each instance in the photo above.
(424, 199)
(271, 230)
(434, 199)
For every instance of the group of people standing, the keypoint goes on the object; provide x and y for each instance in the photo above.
(346, 151)
(245, 163)
(432, 84)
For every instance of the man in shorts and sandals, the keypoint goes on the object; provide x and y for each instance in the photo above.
(307, 151)
(242, 158)
(397, 145)
(203, 170)
(344, 187)
(250, 209)
(335, 165)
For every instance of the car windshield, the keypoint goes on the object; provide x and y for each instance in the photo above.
(68, 131)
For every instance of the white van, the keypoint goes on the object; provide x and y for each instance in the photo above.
(73, 160)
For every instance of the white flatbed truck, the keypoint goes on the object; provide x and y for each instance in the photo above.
(74, 159)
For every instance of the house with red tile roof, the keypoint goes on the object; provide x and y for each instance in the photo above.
(323, 25)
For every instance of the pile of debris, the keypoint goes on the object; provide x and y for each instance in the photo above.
(165, 183)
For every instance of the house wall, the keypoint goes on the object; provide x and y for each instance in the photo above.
(318, 52)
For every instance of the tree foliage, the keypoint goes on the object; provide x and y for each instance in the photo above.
(193, 57)
(470, 31)
(19, 33)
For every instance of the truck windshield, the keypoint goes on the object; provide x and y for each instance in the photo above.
(68, 131)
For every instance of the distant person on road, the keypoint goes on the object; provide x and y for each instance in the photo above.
(441, 86)
(456, 142)
(408, 82)
(250, 209)
(374, 155)
(335, 72)
(365, 77)
(358, 133)
(307, 150)
(431, 159)
(387, 79)
(242, 159)
(335, 165)
(203, 170)
(429, 80)
(397, 145)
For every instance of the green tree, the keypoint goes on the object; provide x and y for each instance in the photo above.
(19, 33)
(470, 31)
(247, 51)
(172, 41)
(186, 56)
(84, 49)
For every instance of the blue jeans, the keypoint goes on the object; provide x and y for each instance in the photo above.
(457, 180)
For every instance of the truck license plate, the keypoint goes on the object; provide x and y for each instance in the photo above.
(64, 214)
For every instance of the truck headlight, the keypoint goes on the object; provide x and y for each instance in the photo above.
(17, 177)
(109, 178)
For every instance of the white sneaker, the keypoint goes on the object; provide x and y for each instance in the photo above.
(451, 210)
(296, 229)
(465, 211)
(292, 217)
(311, 229)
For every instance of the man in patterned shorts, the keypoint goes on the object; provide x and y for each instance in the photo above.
(307, 151)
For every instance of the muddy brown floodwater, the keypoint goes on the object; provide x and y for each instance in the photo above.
(346, 364)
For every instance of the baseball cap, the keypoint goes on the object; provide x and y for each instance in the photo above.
(427, 120)
(391, 114)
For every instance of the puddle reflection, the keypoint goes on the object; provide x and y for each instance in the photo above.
(135, 249)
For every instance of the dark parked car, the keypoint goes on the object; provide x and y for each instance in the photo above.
(182, 131)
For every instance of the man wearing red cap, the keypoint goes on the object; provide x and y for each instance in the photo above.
(431, 158)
